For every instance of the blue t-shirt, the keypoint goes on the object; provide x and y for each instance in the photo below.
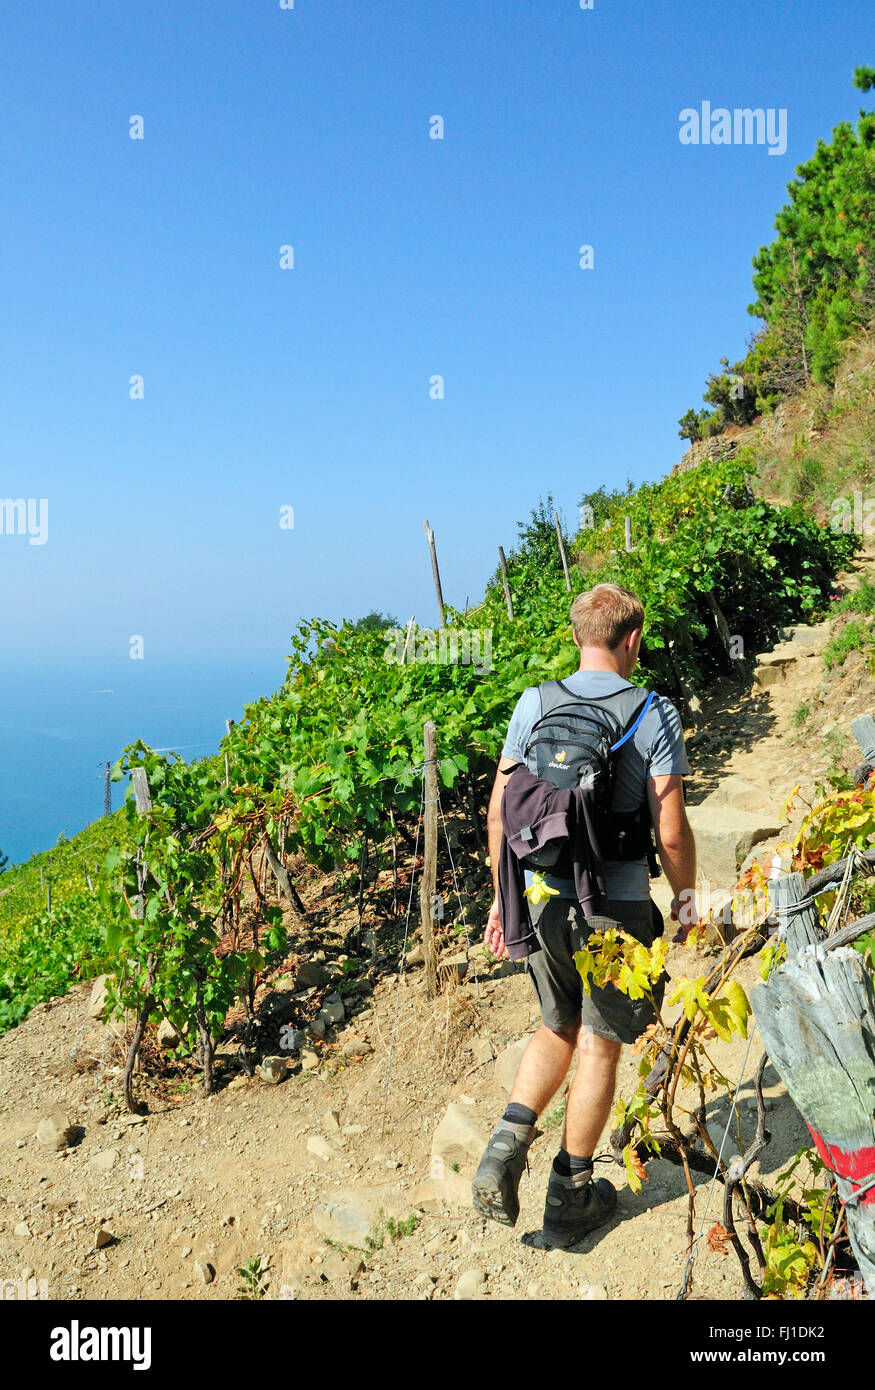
(654, 750)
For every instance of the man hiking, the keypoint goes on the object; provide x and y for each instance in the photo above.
(648, 771)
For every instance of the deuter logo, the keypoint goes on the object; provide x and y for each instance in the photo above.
(75, 1343)
(559, 760)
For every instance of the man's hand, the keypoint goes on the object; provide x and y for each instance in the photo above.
(677, 848)
(686, 915)
(494, 934)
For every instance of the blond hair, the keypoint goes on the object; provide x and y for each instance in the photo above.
(603, 616)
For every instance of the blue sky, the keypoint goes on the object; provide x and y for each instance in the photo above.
(309, 387)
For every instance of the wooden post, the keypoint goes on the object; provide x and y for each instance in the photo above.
(142, 795)
(722, 627)
(504, 582)
(562, 551)
(628, 530)
(691, 700)
(229, 724)
(797, 928)
(141, 879)
(143, 798)
(278, 869)
(48, 897)
(863, 730)
(429, 868)
(407, 639)
(429, 536)
(107, 791)
(816, 1015)
(363, 859)
(394, 865)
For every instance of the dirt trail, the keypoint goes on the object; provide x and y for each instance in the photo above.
(295, 1173)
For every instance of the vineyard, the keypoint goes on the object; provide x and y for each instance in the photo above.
(194, 911)
(328, 764)
(326, 769)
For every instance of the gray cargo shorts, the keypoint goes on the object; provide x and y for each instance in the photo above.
(562, 929)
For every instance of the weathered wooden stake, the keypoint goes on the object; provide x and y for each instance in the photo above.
(363, 859)
(690, 698)
(429, 536)
(816, 1015)
(107, 791)
(142, 795)
(140, 905)
(143, 798)
(429, 868)
(394, 865)
(863, 730)
(407, 639)
(278, 869)
(505, 583)
(562, 551)
(722, 628)
(628, 530)
(797, 927)
(229, 724)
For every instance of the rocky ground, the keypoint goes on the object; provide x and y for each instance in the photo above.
(295, 1173)
(342, 1170)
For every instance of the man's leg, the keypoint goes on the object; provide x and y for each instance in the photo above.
(543, 1067)
(592, 1093)
(542, 1070)
(577, 1203)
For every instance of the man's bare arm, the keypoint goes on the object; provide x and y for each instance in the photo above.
(676, 845)
(494, 933)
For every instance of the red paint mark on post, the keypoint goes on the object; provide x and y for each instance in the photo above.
(857, 1167)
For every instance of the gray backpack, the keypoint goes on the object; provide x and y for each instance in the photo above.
(575, 743)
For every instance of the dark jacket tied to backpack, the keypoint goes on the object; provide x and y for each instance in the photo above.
(535, 814)
(556, 809)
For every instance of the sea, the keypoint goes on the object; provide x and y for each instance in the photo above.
(60, 725)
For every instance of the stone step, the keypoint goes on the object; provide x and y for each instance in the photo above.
(740, 794)
(724, 837)
(799, 643)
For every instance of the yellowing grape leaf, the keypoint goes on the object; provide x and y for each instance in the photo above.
(694, 936)
(635, 1171)
(539, 891)
(785, 809)
(739, 1007)
(691, 993)
(585, 962)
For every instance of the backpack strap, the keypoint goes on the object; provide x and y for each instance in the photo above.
(555, 694)
(630, 731)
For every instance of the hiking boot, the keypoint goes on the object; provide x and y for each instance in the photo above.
(575, 1206)
(495, 1184)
